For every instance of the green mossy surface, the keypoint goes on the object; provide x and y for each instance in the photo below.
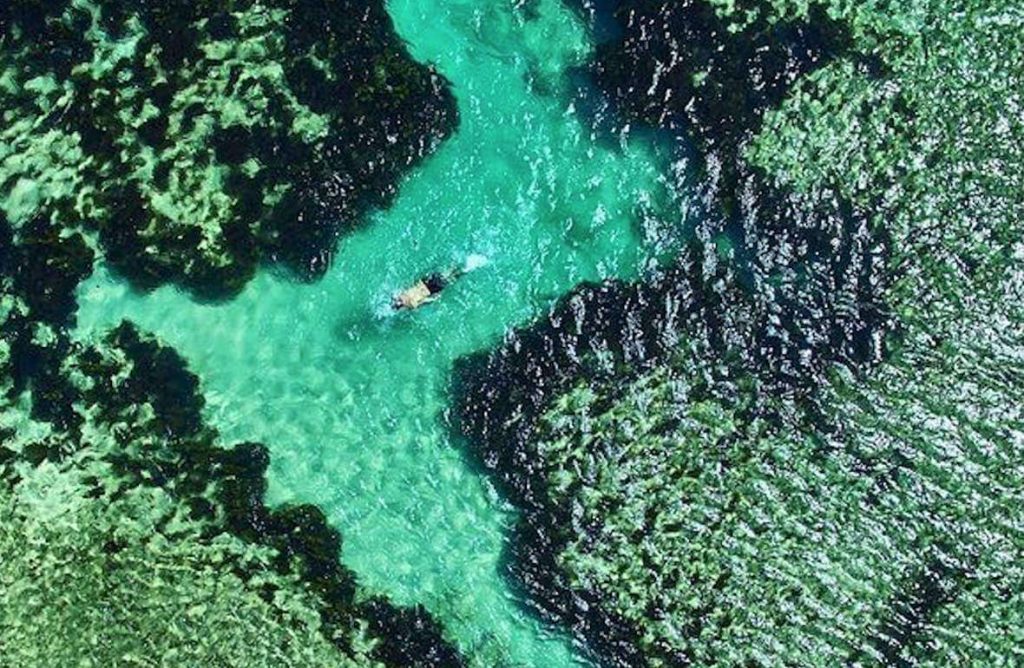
(132, 537)
(878, 536)
(935, 144)
(875, 520)
(123, 579)
(199, 139)
(185, 143)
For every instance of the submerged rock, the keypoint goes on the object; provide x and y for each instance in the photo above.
(110, 433)
(794, 446)
(687, 67)
(113, 581)
(783, 282)
(200, 139)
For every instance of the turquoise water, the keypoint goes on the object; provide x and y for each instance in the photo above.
(350, 397)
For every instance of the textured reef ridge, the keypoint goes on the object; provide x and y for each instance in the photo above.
(182, 142)
(201, 138)
(800, 445)
(120, 502)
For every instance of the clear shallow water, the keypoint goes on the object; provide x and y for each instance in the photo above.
(351, 398)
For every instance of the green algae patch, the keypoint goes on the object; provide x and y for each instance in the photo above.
(99, 582)
(692, 496)
(130, 530)
(202, 139)
(934, 145)
(865, 540)
(131, 534)
(685, 67)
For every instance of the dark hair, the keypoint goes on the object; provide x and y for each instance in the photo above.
(435, 282)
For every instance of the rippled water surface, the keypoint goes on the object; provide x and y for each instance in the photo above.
(351, 398)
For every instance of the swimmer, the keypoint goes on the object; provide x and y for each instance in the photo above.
(429, 288)
(424, 291)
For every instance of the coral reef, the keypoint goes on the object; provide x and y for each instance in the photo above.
(127, 455)
(801, 444)
(685, 67)
(199, 139)
(123, 579)
(721, 533)
(184, 142)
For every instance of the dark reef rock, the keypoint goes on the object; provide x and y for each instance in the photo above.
(679, 65)
(39, 271)
(159, 378)
(190, 462)
(597, 331)
(776, 286)
(49, 267)
(409, 636)
(937, 584)
(612, 332)
(188, 192)
(807, 296)
(813, 266)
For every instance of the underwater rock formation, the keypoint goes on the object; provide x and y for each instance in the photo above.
(786, 280)
(140, 434)
(185, 142)
(762, 456)
(165, 595)
(685, 67)
(719, 536)
(108, 467)
(201, 138)
(811, 261)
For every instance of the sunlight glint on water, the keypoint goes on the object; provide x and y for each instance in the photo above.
(350, 398)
